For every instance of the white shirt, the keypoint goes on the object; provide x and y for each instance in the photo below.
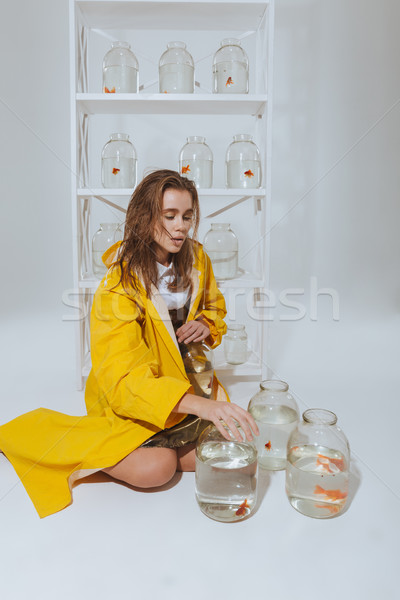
(173, 300)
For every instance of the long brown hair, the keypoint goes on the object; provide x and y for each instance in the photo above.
(137, 255)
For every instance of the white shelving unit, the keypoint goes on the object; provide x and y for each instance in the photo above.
(160, 123)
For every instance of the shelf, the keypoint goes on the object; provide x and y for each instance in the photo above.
(178, 15)
(172, 104)
(211, 192)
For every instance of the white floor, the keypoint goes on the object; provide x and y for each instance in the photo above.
(113, 542)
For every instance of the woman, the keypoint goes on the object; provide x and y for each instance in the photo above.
(138, 392)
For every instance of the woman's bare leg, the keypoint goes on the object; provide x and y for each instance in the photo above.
(186, 458)
(146, 467)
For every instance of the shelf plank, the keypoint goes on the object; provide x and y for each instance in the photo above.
(172, 104)
(237, 15)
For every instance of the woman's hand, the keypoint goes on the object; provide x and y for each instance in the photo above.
(192, 331)
(219, 413)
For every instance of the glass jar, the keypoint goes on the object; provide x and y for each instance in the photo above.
(176, 70)
(118, 162)
(275, 411)
(226, 475)
(196, 161)
(221, 245)
(235, 344)
(243, 164)
(198, 360)
(105, 236)
(317, 472)
(120, 69)
(231, 69)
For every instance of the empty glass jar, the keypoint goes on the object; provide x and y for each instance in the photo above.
(176, 70)
(118, 162)
(222, 246)
(235, 344)
(230, 69)
(275, 411)
(105, 236)
(243, 164)
(226, 475)
(196, 161)
(317, 472)
(120, 69)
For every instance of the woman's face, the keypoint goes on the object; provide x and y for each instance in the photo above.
(176, 221)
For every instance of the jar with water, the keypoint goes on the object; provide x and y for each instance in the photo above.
(275, 411)
(226, 475)
(222, 246)
(118, 162)
(230, 68)
(198, 360)
(243, 164)
(196, 161)
(176, 70)
(105, 236)
(120, 70)
(235, 344)
(317, 473)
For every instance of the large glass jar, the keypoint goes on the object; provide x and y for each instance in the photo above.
(105, 236)
(198, 359)
(176, 70)
(196, 161)
(235, 344)
(226, 475)
(317, 472)
(230, 69)
(243, 164)
(222, 246)
(120, 69)
(275, 411)
(118, 162)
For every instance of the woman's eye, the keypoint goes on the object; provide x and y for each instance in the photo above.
(187, 218)
(169, 217)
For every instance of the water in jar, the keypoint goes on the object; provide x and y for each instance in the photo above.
(226, 479)
(120, 79)
(176, 78)
(243, 174)
(118, 172)
(230, 77)
(317, 480)
(224, 264)
(276, 423)
(235, 350)
(198, 170)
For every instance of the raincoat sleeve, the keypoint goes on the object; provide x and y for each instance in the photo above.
(124, 366)
(213, 309)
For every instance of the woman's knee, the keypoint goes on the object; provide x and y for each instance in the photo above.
(146, 467)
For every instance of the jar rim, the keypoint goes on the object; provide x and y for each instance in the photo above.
(274, 385)
(109, 225)
(242, 137)
(176, 45)
(119, 136)
(221, 225)
(230, 42)
(235, 326)
(319, 416)
(196, 138)
(119, 44)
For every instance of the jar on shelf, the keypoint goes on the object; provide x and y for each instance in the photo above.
(120, 70)
(176, 70)
(118, 162)
(275, 411)
(235, 344)
(243, 164)
(222, 246)
(196, 161)
(198, 360)
(317, 472)
(230, 68)
(105, 236)
(226, 475)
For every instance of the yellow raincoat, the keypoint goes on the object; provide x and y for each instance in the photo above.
(136, 380)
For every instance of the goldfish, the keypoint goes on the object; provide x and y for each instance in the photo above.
(185, 169)
(268, 445)
(324, 465)
(229, 82)
(107, 91)
(115, 171)
(333, 508)
(249, 173)
(338, 462)
(331, 495)
(242, 509)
